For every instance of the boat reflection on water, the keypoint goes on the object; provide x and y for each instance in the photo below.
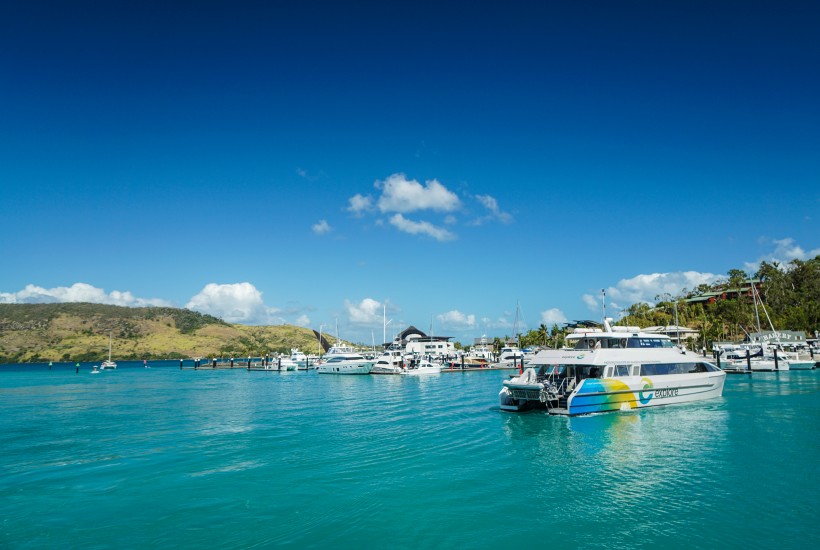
(625, 455)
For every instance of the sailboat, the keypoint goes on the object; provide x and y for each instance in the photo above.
(511, 353)
(108, 364)
(766, 360)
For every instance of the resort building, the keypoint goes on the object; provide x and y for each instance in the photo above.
(742, 291)
(415, 341)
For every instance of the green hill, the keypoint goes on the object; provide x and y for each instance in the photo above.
(79, 332)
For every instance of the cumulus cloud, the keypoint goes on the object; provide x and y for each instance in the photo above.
(495, 212)
(366, 312)
(78, 292)
(302, 321)
(359, 204)
(322, 227)
(421, 228)
(645, 287)
(785, 250)
(553, 316)
(456, 320)
(397, 195)
(400, 194)
(591, 302)
(234, 303)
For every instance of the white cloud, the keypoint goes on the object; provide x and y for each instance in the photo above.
(491, 204)
(591, 302)
(421, 228)
(553, 316)
(644, 288)
(785, 250)
(78, 292)
(366, 312)
(235, 303)
(302, 321)
(322, 227)
(398, 195)
(456, 320)
(359, 204)
(402, 195)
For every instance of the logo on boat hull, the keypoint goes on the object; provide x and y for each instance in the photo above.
(648, 390)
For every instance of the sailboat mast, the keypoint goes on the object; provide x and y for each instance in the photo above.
(757, 314)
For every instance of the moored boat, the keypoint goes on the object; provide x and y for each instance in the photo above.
(346, 363)
(612, 371)
(389, 362)
(510, 354)
(108, 364)
(422, 367)
(800, 364)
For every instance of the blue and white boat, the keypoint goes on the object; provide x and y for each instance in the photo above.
(612, 371)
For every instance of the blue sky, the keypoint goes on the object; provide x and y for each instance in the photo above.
(315, 163)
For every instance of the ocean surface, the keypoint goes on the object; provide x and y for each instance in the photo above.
(163, 457)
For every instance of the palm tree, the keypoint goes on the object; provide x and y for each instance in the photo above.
(543, 332)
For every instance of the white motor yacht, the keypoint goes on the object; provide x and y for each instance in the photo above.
(423, 367)
(510, 354)
(389, 362)
(346, 363)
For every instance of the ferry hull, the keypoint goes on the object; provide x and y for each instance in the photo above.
(615, 394)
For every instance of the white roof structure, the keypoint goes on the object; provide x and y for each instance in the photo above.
(675, 332)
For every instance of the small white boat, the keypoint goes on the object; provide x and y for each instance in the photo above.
(108, 364)
(95, 370)
(283, 364)
(510, 354)
(301, 360)
(346, 363)
(799, 364)
(422, 368)
(482, 350)
(389, 362)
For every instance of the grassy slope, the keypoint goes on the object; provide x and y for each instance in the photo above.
(78, 332)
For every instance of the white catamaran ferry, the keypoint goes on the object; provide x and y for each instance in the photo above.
(612, 371)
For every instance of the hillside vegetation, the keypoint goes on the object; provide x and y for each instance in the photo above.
(789, 297)
(80, 331)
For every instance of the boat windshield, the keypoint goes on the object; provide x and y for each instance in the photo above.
(642, 342)
(571, 371)
(345, 358)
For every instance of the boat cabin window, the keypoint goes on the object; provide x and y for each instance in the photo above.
(605, 343)
(675, 368)
(585, 371)
(611, 371)
(649, 343)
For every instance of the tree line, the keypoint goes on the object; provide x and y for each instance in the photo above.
(789, 298)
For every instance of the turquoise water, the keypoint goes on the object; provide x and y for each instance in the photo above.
(236, 459)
